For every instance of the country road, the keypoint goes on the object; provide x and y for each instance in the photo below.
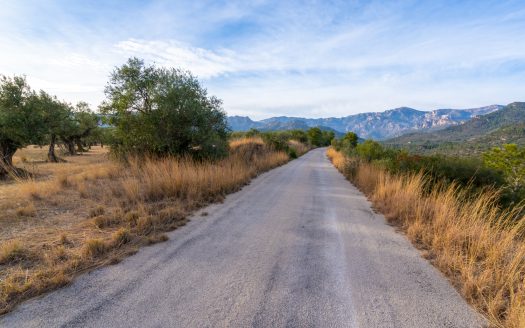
(298, 247)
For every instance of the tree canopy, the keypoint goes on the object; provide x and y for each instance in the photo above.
(160, 111)
(21, 119)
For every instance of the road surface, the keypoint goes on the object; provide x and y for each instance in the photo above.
(298, 247)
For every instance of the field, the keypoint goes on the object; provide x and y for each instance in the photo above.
(475, 243)
(90, 211)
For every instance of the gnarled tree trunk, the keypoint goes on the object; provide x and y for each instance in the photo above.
(80, 146)
(7, 150)
(51, 155)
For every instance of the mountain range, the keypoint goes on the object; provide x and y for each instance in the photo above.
(480, 133)
(377, 125)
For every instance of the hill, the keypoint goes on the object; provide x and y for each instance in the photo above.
(476, 135)
(377, 125)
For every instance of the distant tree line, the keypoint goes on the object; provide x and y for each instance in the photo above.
(314, 137)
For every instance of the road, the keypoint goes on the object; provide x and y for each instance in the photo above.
(298, 247)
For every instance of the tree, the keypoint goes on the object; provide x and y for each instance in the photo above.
(351, 139)
(370, 150)
(315, 136)
(162, 111)
(80, 124)
(328, 136)
(299, 135)
(509, 159)
(56, 119)
(21, 119)
(252, 133)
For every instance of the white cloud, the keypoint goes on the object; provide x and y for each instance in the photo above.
(277, 58)
(204, 63)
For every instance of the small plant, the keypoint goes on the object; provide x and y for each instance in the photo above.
(13, 251)
(94, 248)
(28, 210)
(121, 237)
(99, 210)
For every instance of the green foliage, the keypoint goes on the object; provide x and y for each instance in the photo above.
(276, 140)
(21, 118)
(369, 150)
(319, 138)
(315, 136)
(299, 135)
(346, 144)
(253, 132)
(510, 160)
(163, 112)
(351, 138)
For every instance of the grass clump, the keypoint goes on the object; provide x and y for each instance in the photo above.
(95, 248)
(14, 251)
(28, 210)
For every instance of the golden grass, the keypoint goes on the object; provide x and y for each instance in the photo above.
(89, 211)
(299, 147)
(476, 244)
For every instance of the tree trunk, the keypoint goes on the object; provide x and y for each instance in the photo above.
(7, 150)
(80, 146)
(51, 156)
(70, 146)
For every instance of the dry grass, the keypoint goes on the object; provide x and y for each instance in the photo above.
(477, 245)
(299, 147)
(89, 212)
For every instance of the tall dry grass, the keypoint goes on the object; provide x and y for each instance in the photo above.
(72, 221)
(479, 246)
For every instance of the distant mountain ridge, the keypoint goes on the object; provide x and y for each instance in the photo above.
(506, 125)
(377, 125)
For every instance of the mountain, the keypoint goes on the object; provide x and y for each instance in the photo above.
(380, 125)
(480, 133)
(243, 123)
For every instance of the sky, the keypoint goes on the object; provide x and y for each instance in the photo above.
(272, 58)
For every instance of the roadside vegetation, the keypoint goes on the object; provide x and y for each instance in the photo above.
(170, 153)
(466, 215)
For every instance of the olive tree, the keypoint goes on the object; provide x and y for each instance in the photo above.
(56, 120)
(81, 123)
(21, 119)
(163, 111)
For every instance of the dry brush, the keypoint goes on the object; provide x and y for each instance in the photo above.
(477, 245)
(79, 219)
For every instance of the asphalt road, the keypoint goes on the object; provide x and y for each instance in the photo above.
(298, 247)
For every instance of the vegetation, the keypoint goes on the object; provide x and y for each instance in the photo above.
(314, 137)
(478, 245)
(159, 111)
(474, 174)
(510, 160)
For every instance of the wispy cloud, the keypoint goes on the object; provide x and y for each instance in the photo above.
(279, 58)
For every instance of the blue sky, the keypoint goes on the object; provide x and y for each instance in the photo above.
(268, 58)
